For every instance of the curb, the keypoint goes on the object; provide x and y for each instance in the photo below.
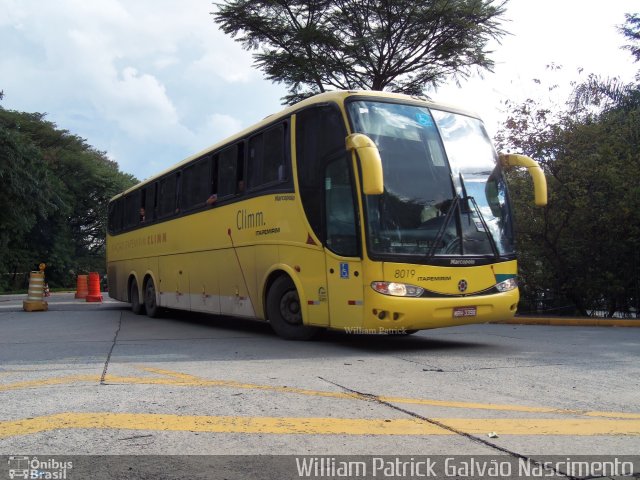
(574, 322)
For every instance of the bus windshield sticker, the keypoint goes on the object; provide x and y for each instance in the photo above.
(424, 119)
(344, 270)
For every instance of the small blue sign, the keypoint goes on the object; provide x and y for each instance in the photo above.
(344, 270)
(424, 119)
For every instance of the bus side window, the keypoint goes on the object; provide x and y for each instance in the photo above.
(115, 216)
(178, 192)
(195, 184)
(143, 206)
(267, 157)
(213, 176)
(241, 180)
(273, 166)
(132, 209)
(227, 171)
(255, 161)
(167, 196)
(150, 202)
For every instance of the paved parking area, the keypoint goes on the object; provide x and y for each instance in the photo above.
(96, 379)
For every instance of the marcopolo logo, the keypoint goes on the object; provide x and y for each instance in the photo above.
(25, 467)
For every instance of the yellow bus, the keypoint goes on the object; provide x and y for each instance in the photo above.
(361, 211)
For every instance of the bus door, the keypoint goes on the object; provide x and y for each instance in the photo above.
(344, 265)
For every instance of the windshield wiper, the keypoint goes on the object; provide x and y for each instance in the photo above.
(447, 220)
(492, 242)
(443, 227)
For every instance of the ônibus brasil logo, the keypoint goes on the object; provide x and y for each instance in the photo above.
(25, 467)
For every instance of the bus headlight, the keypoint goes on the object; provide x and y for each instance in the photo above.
(507, 285)
(397, 289)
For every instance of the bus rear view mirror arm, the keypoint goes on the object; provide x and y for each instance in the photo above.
(537, 175)
(370, 162)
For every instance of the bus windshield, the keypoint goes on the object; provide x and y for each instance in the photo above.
(444, 194)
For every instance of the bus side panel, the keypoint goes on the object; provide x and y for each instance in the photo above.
(118, 274)
(204, 283)
(174, 282)
(117, 281)
(234, 295)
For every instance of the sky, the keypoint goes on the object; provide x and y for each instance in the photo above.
(151, 82)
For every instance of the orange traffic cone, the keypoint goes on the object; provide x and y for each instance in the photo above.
(82, 286)
(34, 301)
(94, 288)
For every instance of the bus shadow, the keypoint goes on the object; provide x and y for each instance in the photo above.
(385, 344)
(330, 341)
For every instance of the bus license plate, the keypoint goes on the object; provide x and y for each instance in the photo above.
(464, 312)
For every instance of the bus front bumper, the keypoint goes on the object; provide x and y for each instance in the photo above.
(383, 313)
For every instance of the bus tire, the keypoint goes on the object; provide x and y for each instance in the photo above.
(134, 295)
(285, 312)
(150, 303)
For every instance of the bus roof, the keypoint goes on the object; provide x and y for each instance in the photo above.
(337, 96)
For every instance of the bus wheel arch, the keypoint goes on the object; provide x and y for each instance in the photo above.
(284, 310)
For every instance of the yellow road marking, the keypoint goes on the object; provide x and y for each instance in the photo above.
(186, 380)
(507, 408)
(193, 380)
(315, 426)
(49, 381)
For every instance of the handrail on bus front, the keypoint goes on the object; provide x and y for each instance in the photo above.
(537, 175)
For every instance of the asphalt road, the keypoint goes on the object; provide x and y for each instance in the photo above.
(95, 379)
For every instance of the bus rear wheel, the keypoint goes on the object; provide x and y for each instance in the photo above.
(150, 304)
(285, 312)
(134, 295)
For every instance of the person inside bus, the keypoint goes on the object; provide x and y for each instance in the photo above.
(142, 215)
(436, 207)
(213, 198)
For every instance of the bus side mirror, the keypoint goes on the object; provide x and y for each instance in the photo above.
(537, 175)
(370, 162)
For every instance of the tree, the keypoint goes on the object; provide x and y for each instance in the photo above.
(631, 31)
(53, 201)
(584, 247)
(24, 200)
(397, 45)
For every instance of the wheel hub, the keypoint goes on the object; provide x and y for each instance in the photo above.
(290, 308)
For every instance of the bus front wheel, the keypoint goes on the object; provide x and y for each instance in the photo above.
(136, 306)
(150, 303)
(285, 312)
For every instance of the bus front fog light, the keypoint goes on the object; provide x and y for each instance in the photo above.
(508, 285)
(397, 289)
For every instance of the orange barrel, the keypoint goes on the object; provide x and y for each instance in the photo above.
(94, 288)
(34, 301)
(82, 286)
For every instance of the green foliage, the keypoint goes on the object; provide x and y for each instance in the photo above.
(401, 45)
(631, 31)
(53, 200)
(583, 249)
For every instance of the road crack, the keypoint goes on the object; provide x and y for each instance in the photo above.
(376, 399)
(115, 340)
